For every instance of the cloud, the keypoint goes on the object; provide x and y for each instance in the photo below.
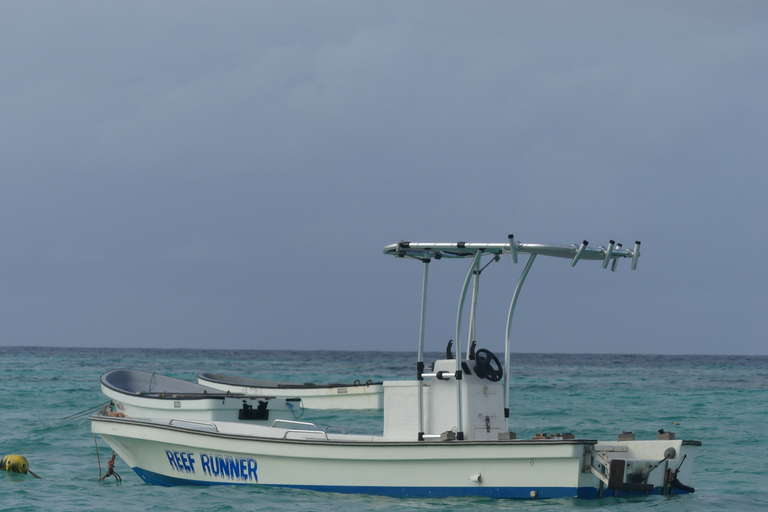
(220, 171)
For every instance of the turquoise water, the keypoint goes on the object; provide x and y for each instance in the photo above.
(719, 400)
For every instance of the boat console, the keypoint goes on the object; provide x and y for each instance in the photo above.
(452, 400)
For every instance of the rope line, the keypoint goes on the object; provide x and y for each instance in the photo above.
(83, 413)
(110, 464)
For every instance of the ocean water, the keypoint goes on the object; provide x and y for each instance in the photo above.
(46, 393)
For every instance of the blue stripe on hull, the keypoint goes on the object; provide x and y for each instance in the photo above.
(417, 492)
(611, 493)
(402, 492)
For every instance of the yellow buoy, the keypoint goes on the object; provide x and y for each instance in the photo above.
(16, 464)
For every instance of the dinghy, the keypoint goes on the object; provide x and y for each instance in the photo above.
(358, 395)
(139, 394)
(446, 433)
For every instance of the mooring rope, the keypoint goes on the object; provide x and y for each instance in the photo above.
(110, 464)
(83, 413)
(111, 469)
(98, 459)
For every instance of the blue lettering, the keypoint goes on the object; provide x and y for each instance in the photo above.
(169, 454)
(181, 461)
(243, 469)
(252, 469)
(234, 468)
(205, 463)
(223, 466)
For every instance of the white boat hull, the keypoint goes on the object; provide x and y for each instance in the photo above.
(172, 398)
(222, 453)
(204, 409)
(445, 434)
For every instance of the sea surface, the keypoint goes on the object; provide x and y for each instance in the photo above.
(722, 401)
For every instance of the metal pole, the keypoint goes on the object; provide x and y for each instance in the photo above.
(509, 329)
(473, 309)
(459, 426)
(463, 297)
(420, 363)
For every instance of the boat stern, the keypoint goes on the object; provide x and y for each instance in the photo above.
(628, 466)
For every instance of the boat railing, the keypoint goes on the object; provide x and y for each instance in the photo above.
(293, 423)
(212, 426)
(311, 430)
(304, 432)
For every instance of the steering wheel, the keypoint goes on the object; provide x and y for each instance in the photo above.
(487, 365)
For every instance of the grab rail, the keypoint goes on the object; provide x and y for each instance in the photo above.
(193, 422)
(442, 375)
(300, 431)
(292, 422)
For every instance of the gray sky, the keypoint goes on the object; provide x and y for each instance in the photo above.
(224, 175)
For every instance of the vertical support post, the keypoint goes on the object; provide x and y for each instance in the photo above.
(509, 330)
(459, 426)
(420, 363)
(462, 298)
(475, 291)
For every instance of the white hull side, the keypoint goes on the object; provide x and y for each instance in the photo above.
(168, 455)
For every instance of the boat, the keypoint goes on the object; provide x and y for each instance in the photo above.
(358, 395)
(140, 394)
(445, 433)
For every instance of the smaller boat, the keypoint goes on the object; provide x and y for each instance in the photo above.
(358, 395)
(140, 394)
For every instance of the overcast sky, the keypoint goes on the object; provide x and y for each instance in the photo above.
(225, 174)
